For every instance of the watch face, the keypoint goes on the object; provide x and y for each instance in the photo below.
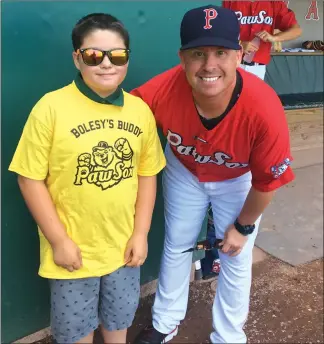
(244, 230)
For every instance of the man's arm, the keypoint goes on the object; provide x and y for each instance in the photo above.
(136, 250)
(255, 203)
(270, 161)
(285, 21)
(65, 252)
(290, 34)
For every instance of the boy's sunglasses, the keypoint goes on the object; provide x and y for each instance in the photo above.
(93, 57)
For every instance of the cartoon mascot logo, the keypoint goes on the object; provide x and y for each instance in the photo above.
(107, 165)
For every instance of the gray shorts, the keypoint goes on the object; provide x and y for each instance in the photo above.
(78, 306)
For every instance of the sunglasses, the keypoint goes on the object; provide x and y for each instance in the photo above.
(93, 57)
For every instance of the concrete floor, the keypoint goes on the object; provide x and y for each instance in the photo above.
(292, 226)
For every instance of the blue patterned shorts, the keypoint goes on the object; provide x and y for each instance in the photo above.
(78, 306)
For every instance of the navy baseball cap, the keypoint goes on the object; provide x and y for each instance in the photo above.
(210, 26)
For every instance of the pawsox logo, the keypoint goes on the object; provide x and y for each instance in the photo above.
(258, 19)
(106, 166)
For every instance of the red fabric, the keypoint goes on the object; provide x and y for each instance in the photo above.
(253, 136)
(270, 14)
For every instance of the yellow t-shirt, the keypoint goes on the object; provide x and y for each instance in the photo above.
(90, 156)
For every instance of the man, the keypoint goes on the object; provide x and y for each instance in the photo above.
(260, 19)
(228, 145)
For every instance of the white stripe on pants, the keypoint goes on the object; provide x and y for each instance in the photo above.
(186, 201)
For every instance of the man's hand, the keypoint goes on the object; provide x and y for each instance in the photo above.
(233, 242)
(249, 47)
(266, 36)
(136, 250)
(67, 255)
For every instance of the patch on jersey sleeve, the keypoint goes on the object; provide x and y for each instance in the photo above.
(278, 170)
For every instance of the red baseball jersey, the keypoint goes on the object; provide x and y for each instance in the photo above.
(256, 16)
(253, 136)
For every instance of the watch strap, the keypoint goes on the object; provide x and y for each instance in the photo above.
(244, 229)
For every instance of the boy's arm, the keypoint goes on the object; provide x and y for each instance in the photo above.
(144, 204)
(136, 251)
(151, 162)
(65, 252)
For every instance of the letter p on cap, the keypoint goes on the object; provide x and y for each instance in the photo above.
(211, 13)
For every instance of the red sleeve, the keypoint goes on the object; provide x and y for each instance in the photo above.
(147, 92)
(150, 92)
(226, 4)
(154, 91)
(270, 157)
(284, 17)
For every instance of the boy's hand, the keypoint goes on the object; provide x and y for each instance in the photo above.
(136, 250)
(67, 255)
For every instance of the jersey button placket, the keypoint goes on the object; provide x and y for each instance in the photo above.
(198, 151)
(209, 153)
(202, 148)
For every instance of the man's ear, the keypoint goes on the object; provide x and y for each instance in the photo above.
(239, 54)
(76, 61)
(182, 58)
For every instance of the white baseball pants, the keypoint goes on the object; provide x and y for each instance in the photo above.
(257, 70)
(186, 201)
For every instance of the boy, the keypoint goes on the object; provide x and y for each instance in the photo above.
(87, 163)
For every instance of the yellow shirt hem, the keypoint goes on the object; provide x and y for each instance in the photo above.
(78, 273)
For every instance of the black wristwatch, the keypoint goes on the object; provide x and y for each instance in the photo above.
(244, 230)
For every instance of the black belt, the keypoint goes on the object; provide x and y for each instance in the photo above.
(252, 63)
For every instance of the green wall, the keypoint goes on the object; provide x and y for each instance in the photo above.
(45, 27)
(295, 74)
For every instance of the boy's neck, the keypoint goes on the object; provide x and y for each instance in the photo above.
(102, 93)
(114, 96)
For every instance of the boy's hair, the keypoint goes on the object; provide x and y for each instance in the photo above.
(97, 21)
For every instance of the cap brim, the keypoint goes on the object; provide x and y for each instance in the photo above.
(211, 42)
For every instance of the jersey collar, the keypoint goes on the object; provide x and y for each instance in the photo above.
(117, 98)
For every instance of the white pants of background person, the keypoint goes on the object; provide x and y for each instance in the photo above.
(186, 201)
(258, 70)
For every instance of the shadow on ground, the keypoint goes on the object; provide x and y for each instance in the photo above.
(286, 306)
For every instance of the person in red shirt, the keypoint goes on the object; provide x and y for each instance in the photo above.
(260, 19)
(228, 145)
